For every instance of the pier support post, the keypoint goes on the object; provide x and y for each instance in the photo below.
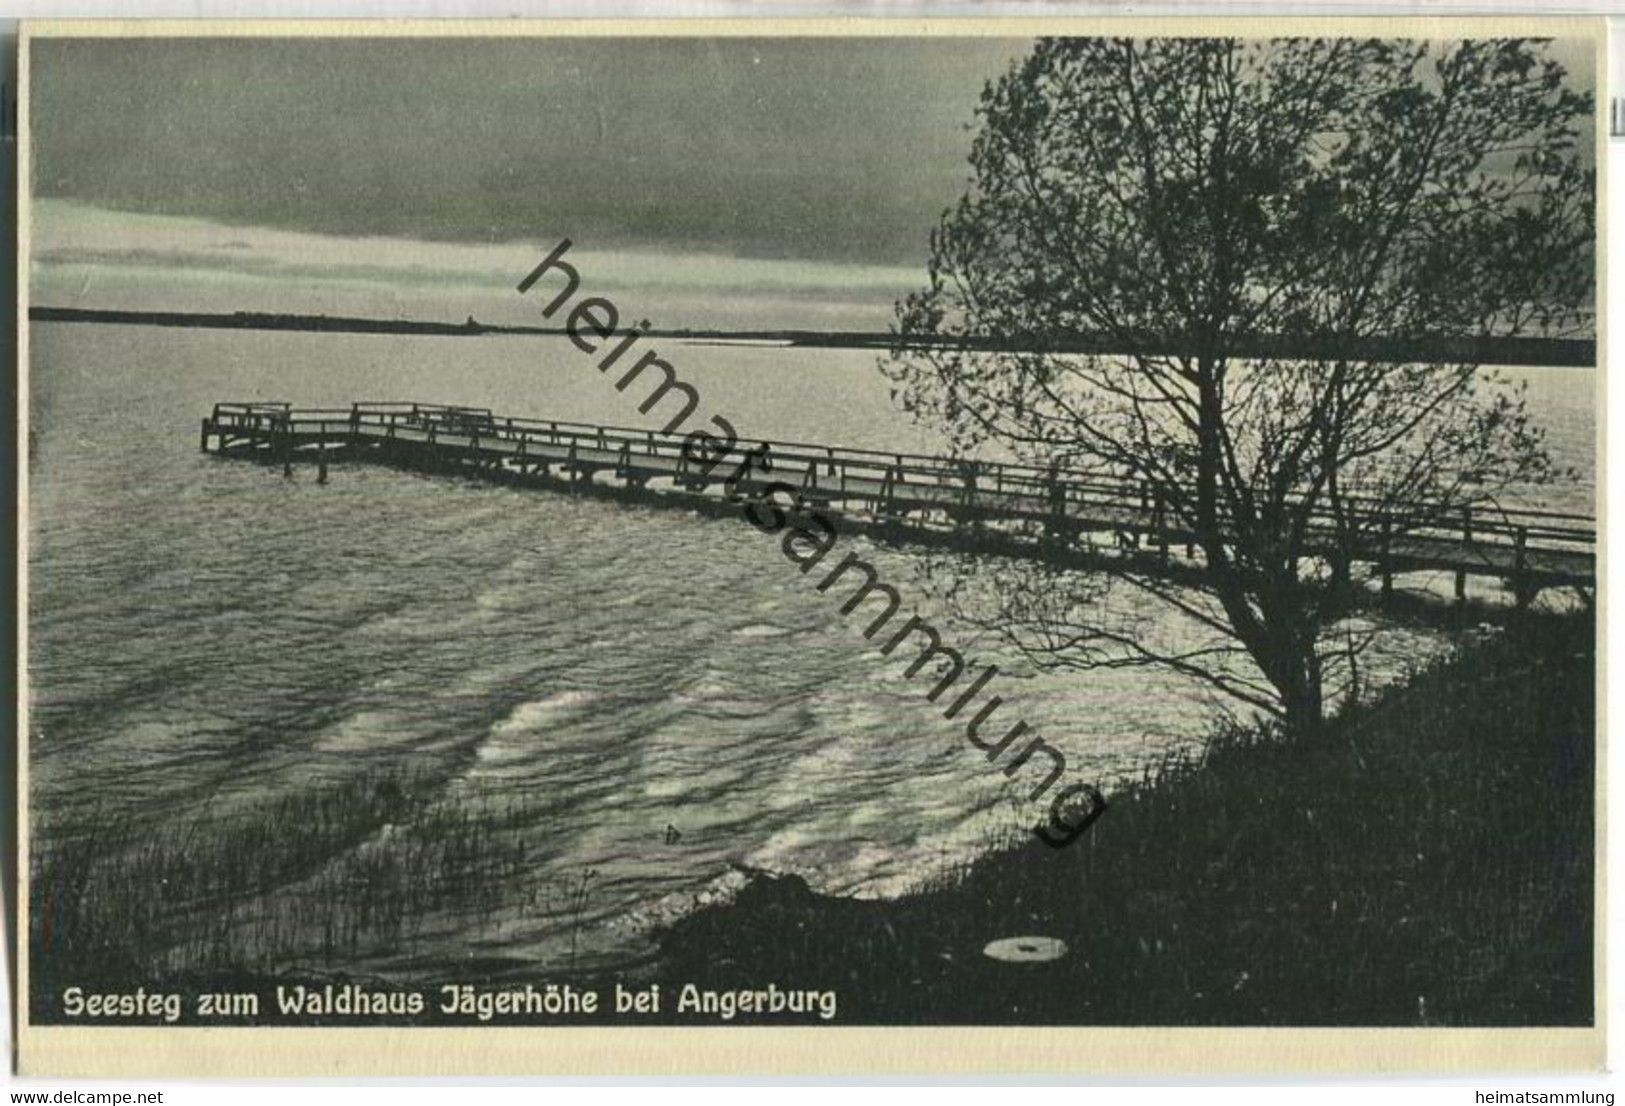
(1386, 565)
(203, 438)
(1523, 590)
(1342, 572)
(321, 463)
(1160, 522)
(1055, 528)
(1466, 546)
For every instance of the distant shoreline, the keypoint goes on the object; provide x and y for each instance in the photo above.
(1535, 352)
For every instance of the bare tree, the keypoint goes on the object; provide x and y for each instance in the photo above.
(1211, 196)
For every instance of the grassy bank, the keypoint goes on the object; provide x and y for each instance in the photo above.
(1429, 861)
(304, 884)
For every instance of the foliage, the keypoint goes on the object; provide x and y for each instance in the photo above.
(1185, 198)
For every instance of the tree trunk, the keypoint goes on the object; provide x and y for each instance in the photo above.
(1282, 646)
(1210, 424)
(1297, 677)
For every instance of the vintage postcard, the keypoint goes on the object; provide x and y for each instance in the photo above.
(1002, 545)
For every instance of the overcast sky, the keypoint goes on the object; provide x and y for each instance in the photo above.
(828, 160)
(811, 148)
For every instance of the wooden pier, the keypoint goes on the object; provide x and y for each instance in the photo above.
(1045, 511)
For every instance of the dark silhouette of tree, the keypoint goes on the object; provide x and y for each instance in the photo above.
(1203, 192)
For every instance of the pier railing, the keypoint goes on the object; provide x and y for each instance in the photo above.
(898, 484)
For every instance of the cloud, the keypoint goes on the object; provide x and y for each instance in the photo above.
(91, 257)
(836, 149)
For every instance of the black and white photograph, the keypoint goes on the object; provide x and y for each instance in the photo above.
(1006, 524)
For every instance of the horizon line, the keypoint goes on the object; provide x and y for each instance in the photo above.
(1522, 351)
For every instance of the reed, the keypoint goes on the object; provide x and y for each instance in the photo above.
(367, 867)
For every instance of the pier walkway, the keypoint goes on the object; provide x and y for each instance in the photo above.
(1049, 511)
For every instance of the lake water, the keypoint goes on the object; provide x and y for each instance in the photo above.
(662, 695)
